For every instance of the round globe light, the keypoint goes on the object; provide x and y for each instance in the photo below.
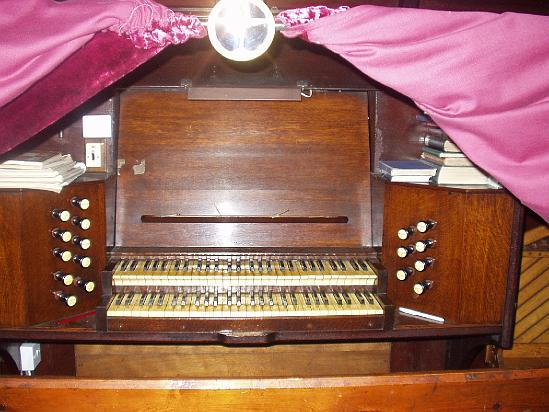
(241, 30)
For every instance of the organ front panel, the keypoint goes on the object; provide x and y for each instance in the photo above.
(43, 263)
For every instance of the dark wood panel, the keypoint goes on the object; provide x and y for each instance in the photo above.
(291, 159)
(393, 128)
(472, 254)
(32, 284)
(287, 62)
(487, 234)
(13, 282)
(214, 361)
(471, 390)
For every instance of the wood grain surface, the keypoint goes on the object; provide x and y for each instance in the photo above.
(240, 158)
(214, 361)
(472, 255)
(507, 390)
(26, 283)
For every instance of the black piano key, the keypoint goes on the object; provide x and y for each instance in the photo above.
(133, 265)
(312, 264)
(186, 265)
(307, 298)
(359, 298)
(290, 266)
(119, 299)
(129, 299)
(316, 299)
(332, 264)
(293, 299)
(177, 264)
(281, 266)
(337, 298)
(164, 265)
(303, 265)
(269, 265)
(151, 301)
(354, 264)
(155, 265)
(124, 265)
(324, 298)
(346, 297)
(363, 264)
(174, 300)
(147, 264)
(160, 301)
(342, 264)
(320, 264)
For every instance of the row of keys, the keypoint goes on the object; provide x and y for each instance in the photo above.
(346, 266)
(244, 305)
(242, 272)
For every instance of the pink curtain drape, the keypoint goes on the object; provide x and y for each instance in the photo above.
(483, 77)
(56, 55)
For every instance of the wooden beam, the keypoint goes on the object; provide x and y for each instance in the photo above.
(509, 390)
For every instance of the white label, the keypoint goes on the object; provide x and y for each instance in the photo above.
(99, 125)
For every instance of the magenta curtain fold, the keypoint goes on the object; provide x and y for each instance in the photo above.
(483, 77)
(56, 55)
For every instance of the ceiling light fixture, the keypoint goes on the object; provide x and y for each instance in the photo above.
(241, 30)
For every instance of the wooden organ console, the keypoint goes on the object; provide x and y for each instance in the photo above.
(245, 221)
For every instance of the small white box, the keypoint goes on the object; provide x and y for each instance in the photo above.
(97, 125)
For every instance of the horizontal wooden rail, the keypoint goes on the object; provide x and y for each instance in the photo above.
(509, 390)
(242, 219)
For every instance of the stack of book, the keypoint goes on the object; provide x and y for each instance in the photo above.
(416, 171)
(453, 166)
(44, 171)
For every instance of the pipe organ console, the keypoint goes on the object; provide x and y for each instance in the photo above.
(254, 221)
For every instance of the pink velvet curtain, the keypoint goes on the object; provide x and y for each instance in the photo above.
(56, 55)
(483, 77)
